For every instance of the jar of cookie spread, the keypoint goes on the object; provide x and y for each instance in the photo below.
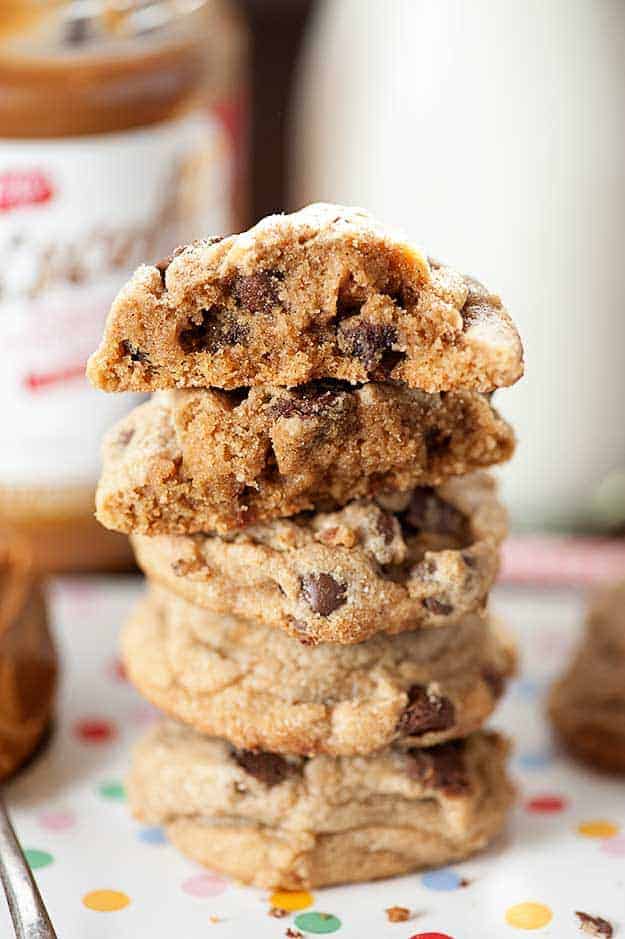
(121, 136)
(28, 662)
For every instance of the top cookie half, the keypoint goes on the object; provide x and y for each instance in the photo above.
(327, 292)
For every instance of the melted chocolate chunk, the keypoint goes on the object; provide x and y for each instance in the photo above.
(218, 328)
(440, 767)
(436, 441)
(425, 712)
(164, 263)
(436, 606)
(257, 293)
(323, 593)
(594, 925)
(427, 512)
(135, 354)
(367, 341)
(306, 402)
(78, 30)
(494, 679)
(385, 525)
(269, 768)
(124, 437)
(479, 303)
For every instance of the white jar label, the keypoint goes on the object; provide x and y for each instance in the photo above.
(77, 215)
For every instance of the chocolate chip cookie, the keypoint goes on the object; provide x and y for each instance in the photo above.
(260, 688)
(587, 705)
(327, 292)
(190, 461)
(293, 822)
(399, 561)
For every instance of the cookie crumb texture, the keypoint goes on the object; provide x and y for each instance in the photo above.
(323, 820)
(587, 704)
(218, 461)
(397, 914)
(324, 293)
(399, 562)
(262, 689)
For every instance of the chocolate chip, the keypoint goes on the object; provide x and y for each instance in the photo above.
(162, 265)
(78, 30)
(436, 441)
(257, 293)
(436, 606)
(427, 512)
(469, 559)
(124, 437)
(425, 712)
(494, 679)
(269, 768)
(323, 593)
(385, 525)
(366, 341)
(218, 328)
(440, 767)
(304, 403)
(133, 352)
(594, 925)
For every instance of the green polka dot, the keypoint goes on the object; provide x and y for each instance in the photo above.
(317, 922)
(37, 858)
(112, 789)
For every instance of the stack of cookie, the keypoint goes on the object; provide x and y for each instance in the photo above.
(307, 496)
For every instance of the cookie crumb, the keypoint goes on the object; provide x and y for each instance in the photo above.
(277, 912)
(294, 933)
(594, 925)
(397, 914)
(214, 919)
(464, 882)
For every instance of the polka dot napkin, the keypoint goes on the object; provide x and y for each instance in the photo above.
(104, 875)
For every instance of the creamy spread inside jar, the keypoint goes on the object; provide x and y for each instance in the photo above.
(120, 138)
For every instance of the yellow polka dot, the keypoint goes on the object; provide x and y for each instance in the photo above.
(598, 828)
(106, 901)
(528, 915)
(291, 900)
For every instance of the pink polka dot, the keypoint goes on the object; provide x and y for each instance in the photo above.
(204, 885)
(57, 821)
(116, 672)
(95, 730)
(545, 804)
(615, 847)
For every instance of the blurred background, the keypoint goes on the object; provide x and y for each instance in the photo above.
(493, 134)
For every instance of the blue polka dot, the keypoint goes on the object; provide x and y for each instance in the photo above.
(528, 688)
(152, 836)
(443, 879)
(534, 759)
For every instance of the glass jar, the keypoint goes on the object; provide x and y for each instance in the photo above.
(28, 660)
(121, 136)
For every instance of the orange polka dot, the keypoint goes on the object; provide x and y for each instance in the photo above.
(528, 915)
(106, 901)
(291, 900)
(597, 828)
